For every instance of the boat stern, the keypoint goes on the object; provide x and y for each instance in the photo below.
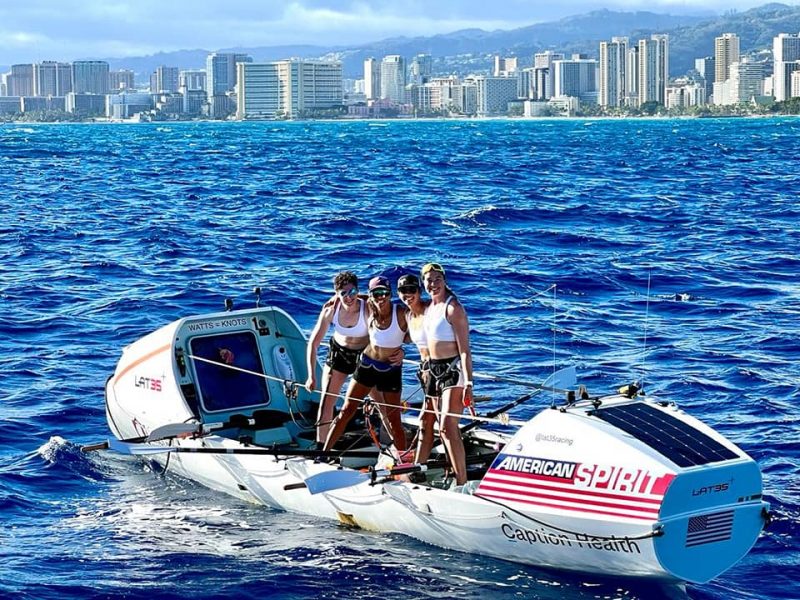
(711, 517)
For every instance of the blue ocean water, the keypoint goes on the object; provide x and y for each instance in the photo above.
(109, 231)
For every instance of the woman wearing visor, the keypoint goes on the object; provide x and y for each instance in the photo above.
(447, 332)
(348, 315)
(380, 366)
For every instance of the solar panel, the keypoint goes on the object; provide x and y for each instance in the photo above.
(678, 441)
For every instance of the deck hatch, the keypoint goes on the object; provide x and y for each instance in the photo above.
(223, 388)
(678, 441)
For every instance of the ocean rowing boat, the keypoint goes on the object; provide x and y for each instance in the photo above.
(615, 485)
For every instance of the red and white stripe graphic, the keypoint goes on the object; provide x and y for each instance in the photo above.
(629, 494)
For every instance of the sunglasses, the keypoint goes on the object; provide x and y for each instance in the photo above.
(432, 267)
(408, 289)
(380, 293)
(351, 293)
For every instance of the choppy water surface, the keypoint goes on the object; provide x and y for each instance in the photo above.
(109, 231)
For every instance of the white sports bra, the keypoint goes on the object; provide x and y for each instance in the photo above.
(417, 334)
(359, 330)
(391, 337)
(437, 327)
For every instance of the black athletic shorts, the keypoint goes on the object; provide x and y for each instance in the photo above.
(342, 359)
(445, 373)
(383, 376)
(427, 382)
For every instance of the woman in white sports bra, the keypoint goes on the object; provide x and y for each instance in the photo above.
(447, 332)
(378, 367)
(410, 292)
(348, 314)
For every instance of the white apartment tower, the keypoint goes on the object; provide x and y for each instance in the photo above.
(372, 79)
(393, 79)
(653, 69)
(287, 88)
(612, 86)
(726, 52)
(632, 76)
(786, 54)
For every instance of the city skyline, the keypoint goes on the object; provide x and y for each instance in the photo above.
(70, 30)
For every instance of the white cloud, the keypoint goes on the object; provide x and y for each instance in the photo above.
(69, 29)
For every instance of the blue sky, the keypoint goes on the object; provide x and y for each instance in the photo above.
(35, 30)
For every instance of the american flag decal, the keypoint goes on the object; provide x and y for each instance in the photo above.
(706, 529)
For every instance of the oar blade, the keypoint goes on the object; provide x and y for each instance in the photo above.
(171, 430)
(564, 379)
(137, 449)
(328, 481)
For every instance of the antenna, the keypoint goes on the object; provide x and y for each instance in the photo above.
(555, 290)
(644, 342)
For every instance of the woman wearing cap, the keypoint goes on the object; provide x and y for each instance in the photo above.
(378, 367)
(409, 290)
(348, 315)
(447, 331)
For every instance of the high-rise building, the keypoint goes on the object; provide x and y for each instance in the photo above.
(504, 66)
(165, 80)
(576, 77)
(653, 69)
(421, 69)
(494, 94)
(786, 54)
(52, 78)
(795, 84)
(612, 87)
(393, 79)
(121, 80)
(544, 76)
(19, 81)
(748, 80)
(221, 71)
(706, 67)
(632, 75)
(372, 79)
(90, 77)
(726, 52)
(288, 88)
(192, 80)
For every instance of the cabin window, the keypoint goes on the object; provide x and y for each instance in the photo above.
(223, 386)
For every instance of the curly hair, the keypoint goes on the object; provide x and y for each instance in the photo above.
(342, 278)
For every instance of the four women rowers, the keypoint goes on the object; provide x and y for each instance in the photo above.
(367, 343)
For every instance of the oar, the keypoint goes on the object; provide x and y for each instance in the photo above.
(333, 480)
(137, 449)
(328, 481)
(165, 432)
(564, 378)
(560, 381)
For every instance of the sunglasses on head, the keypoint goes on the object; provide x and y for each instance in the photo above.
(432, 267)
(380, 293)
(351, 293)
(408, 289)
